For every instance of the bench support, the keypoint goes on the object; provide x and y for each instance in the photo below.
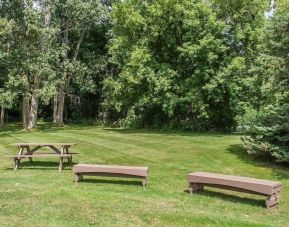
(195, 188)
(272, 200)
(144, 182)
(78, 177)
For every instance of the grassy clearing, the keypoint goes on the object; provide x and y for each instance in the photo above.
(38, 195)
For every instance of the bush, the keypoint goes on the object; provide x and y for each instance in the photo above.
(269, 137)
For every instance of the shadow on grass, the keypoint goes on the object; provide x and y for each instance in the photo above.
(278, 170)
(10, 128)
(41, 127)
(231, 198)
(44, 165)
(49, 127)
(166, 132)
(107, 181)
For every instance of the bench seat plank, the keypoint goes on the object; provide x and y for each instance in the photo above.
(129, 170)
(110, 170)
(265, 187)
(268, 188)
(41, 155)
(17, 158)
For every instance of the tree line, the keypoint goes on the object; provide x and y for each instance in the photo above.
(191, 64)
(40, 56)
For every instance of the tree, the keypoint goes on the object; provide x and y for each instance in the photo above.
(178, 63)
(33, 57)
(6, 95)
(45, 51)
(77, 19)
(269, 134)
(245, 23)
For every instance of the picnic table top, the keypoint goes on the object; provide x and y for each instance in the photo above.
(43, 144)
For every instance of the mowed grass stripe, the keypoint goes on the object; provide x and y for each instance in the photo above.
(54, 200)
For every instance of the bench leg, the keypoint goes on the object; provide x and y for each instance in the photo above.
(272, 200)
(61, 164)
(194, 188)
(70, 160)
(144, 182)
(78, 177)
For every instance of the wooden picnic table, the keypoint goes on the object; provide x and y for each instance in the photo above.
(61, 150)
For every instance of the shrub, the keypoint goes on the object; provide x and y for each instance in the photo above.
(269, 137)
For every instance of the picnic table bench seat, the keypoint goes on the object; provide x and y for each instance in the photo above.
(268, 188)
(110, 171)
(17, 158)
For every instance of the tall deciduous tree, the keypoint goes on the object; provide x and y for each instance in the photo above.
(180, 62)
(269, 134)
(33, 55)
(245, 24)
(6, 94)
(77, 18)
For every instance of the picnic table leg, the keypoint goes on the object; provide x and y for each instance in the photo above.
(62, 150)
(61, 163)
(67, 152)
(16, 163)
(29, 152)
(18, 159)
(70, 160)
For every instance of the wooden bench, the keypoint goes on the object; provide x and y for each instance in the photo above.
(271, 189)
(17, 158)
(110, 171)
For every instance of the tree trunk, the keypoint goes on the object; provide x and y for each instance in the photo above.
(2, 116)
(25, 110)
(58, 107)
(33, 110)
(25, 97)
(59, 99)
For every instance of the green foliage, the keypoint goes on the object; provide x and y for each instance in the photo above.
(7, 95)
(244, 21)
(33, 51)
(269, 135)
(178, 64)
(45, 48)
(78, 20)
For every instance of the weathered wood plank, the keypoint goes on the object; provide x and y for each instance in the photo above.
(111, 171)
(43, 144)
(236, 183)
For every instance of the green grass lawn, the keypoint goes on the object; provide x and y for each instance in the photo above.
(38, 195)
